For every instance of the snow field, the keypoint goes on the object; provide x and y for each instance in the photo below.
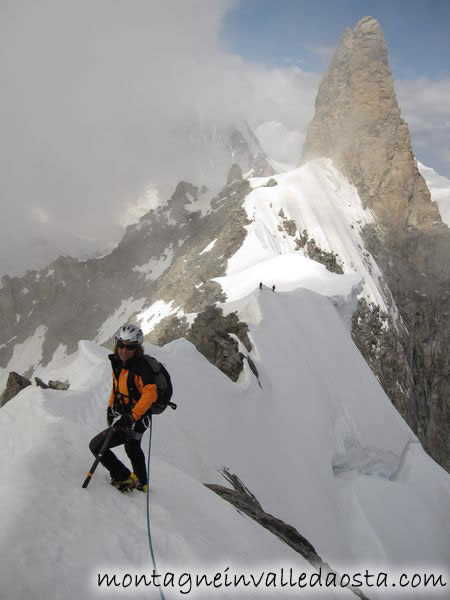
(318, 198)
(319, 405)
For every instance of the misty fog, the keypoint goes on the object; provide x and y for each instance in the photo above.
(102, 100)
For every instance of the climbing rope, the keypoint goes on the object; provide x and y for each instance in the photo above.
(148, 506)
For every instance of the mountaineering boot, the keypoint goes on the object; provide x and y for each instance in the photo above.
(126, 486)
(137, 484)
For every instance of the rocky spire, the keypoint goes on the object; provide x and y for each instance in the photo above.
(357, 123)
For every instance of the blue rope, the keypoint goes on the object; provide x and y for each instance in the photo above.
(148, 506)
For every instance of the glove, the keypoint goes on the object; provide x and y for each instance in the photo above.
(110, 415)
(126, 422)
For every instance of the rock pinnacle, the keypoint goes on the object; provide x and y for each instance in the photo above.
(357, 123)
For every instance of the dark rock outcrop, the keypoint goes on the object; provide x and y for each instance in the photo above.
(169, 329)
(234, 174)
(52, 385)
(41, 383)
(417, 274)
(61, 386)
(329, 259)
(15, 384)
(210, 335)
(381, 344)
(246, 502)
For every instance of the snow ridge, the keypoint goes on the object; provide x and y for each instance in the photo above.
(318, 408)
(320, 200)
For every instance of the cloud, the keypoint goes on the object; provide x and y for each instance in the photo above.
(103, 100)
(99, 101)
(282, 144)
(425, 105)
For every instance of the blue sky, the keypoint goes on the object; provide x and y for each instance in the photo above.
(287, 31)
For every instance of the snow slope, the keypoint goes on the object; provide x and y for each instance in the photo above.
(318, 198)
(319, 444)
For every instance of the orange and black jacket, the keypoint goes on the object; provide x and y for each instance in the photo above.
(122, 398)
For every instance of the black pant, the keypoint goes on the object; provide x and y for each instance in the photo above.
(132, 447)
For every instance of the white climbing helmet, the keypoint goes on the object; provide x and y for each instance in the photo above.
(130, 333)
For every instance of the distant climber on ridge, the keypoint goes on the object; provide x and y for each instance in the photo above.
(273, 288)
(260, 285)
(128, 362)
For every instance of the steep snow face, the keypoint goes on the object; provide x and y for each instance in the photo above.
(440, 190)
(152, 315)
(318, 443)
(318, 198)
(120, 316)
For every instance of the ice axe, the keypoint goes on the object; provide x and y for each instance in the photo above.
(99, 457)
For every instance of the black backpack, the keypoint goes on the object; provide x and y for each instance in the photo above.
(163, 385)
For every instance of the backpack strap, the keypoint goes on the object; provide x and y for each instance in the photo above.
(131, 382)
(154, 364)
(119, 406)
(132, 387)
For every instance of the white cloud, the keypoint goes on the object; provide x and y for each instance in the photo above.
(131, 213)
(97, 100)
(39, 215)
(280, 143)
(425, 104)
(425, 100)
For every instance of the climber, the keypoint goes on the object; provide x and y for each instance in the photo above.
(128, 361)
